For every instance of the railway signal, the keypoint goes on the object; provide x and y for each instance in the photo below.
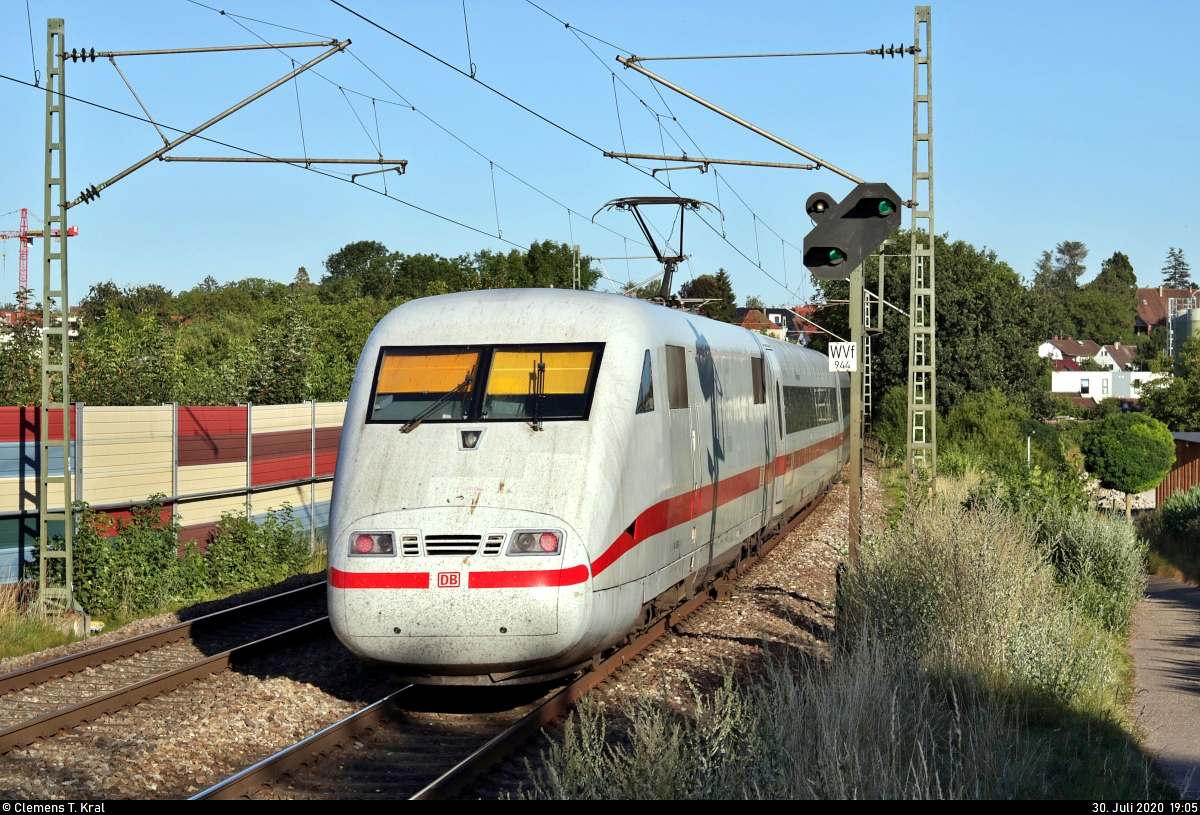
(847, 232)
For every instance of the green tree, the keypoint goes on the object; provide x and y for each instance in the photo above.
(987, 322)
(126, 359)
(1130, 452)
(131, 300)
(1176, 399)
(1104, 309)
(1177, 274)
(21, 357)
(1090, 364)
(551, 264)
(987, 425)
(754, 301)
(716, 287)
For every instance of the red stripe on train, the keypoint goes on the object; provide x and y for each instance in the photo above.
(527, 579)
(690, 505)
(378, 580)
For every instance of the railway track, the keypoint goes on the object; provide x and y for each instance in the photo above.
(390, 749)
(45, 699)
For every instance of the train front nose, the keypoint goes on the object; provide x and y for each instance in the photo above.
(457, 593)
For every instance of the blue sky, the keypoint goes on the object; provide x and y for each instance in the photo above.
(1053, 121)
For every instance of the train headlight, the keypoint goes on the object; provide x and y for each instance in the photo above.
(535, 542)
(368, 544)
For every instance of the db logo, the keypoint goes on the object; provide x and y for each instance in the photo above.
(448, 580)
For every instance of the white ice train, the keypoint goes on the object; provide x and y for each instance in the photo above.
(523, 473)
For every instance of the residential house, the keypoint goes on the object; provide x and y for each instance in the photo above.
(1152, 305)
(754, 319)
(1100, 384)
(1068, 348)
(1117, 357)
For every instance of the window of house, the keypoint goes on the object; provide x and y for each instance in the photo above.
(1084, 386)
(1104, 387)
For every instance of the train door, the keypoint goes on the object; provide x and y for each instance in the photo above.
(771, 491)
(682, 451)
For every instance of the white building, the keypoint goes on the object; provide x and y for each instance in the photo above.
(1101, 384)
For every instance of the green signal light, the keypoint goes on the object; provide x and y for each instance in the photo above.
(886, 207)
(836, 256)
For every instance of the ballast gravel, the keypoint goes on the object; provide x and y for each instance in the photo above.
(184, 741)
(783, 603)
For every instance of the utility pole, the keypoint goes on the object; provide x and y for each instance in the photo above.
(922, 339)
(55, 366)
(856, 411)
(56, 361)
(576, 281)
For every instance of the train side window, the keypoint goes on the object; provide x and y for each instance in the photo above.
(677, 389)
(756, 374)
(779, 407)
(645, 400)
(845, 403)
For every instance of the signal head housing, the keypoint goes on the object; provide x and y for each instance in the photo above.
(849, 231)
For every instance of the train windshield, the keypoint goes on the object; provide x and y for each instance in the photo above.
(530, 383)
(535, 383)
(428, 384)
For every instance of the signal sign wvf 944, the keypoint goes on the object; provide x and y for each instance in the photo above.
(843, 356)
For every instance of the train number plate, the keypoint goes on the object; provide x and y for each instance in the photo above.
(448, 580)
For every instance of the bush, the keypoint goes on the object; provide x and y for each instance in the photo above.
(965, 591)
(127, 567)
(960, 669)
(1099, 560)
(869, 725)
(1180, 508)
(139, 567)
(1173, 533)
(244, 555)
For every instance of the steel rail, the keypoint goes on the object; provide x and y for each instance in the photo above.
(50, 724)
(302, 753)
(312, 749)
(478, 762)
(68, 665)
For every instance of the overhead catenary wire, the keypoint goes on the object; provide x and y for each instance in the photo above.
(529, 110)
(408, 104)
(262, 155)
(470, 59)
(300, 115)
(576, 32)
(37, 79)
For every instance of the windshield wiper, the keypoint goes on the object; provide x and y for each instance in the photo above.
(412, 423)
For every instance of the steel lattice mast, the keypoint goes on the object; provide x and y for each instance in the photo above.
(922, 339)
(54, 590)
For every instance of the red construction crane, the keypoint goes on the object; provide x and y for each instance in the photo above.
(25, 236)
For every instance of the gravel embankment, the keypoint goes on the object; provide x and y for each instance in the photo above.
(184, 741)
(784, 602)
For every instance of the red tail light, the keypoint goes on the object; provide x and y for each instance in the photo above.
(535, 542)
(372, 543)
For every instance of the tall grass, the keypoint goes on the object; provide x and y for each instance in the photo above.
(1173, 532)
(971, 660)
(23, 628)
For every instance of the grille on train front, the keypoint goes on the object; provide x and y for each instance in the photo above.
(451, 544)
